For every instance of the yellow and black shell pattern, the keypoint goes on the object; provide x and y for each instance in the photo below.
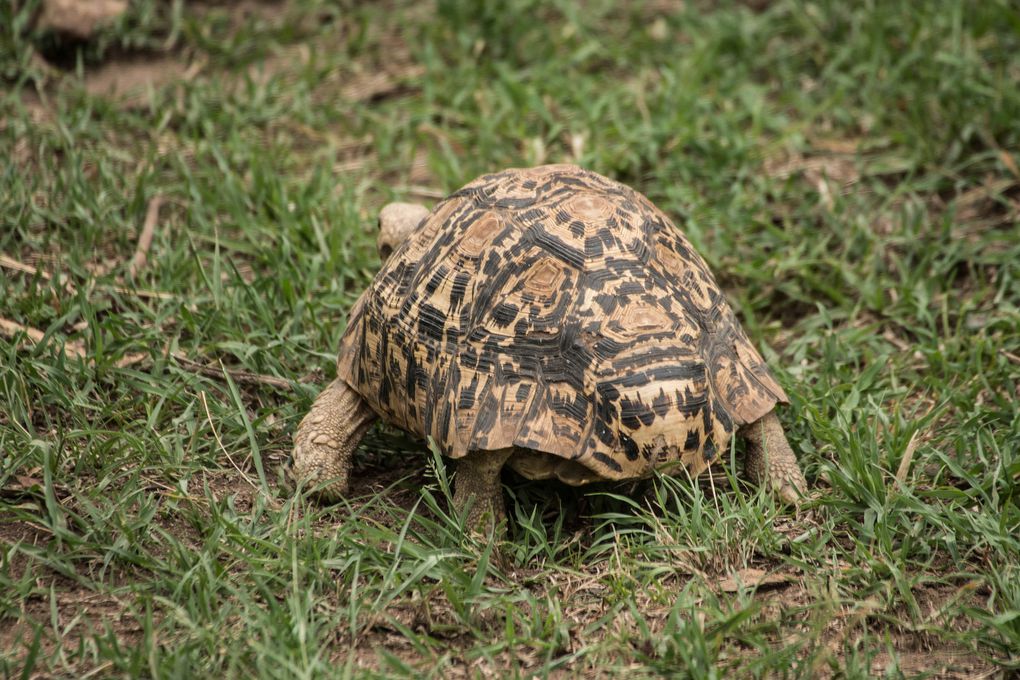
(556, 311)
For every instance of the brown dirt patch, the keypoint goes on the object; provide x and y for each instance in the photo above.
(78, 19)
(79, 614)
(130, 79)
(830, 166)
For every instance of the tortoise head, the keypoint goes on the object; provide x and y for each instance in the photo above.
(396, 222)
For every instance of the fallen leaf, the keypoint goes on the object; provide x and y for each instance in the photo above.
(752, 578)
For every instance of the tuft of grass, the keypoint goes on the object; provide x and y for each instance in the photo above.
(848, 170)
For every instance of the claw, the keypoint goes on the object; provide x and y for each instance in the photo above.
(790, 494)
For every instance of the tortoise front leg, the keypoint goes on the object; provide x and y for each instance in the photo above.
(325, 441)
(770, 460)
(478, 483)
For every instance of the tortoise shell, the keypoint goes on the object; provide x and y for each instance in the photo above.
(556, 311)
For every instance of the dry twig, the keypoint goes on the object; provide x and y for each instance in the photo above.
(1009, 355)
(145, 237)
(237, 376)
(8, 262)
(11, 263)
(10, 328)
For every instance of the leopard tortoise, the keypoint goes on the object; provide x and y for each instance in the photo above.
(553, 320)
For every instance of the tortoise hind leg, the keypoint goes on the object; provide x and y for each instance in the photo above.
(478, 484)
(770, 460)
(326, 438)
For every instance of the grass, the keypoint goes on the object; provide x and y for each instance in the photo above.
(849, 170)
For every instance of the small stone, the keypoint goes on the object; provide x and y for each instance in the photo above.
(659, 30)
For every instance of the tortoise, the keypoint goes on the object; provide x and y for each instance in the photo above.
(555, 321)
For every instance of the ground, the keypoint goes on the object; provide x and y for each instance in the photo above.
(188, 194)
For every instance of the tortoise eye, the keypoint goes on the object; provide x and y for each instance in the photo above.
(385, 252)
